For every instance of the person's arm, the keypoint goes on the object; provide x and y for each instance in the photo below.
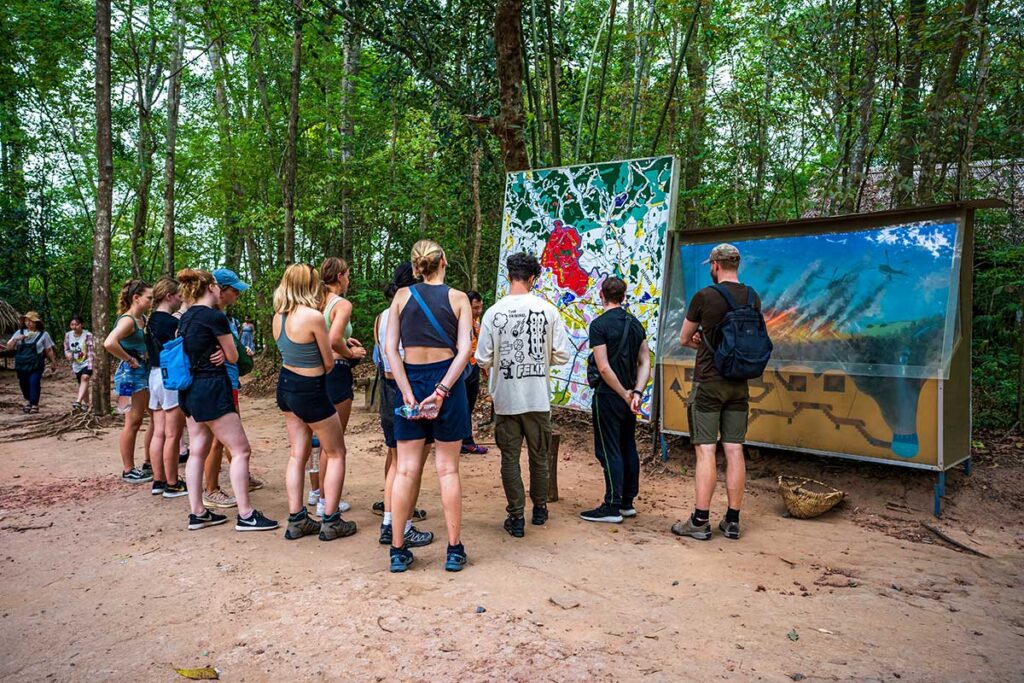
(13, 341)
(112, 344)
(643, 373)
(689, 335)
(561, 349)
(607, 374)
(464, 344)
(485, 344)
(394, 335)
(322, 337)
(227, 348)
(340, 315)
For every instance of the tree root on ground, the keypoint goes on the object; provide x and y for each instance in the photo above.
(50, 426)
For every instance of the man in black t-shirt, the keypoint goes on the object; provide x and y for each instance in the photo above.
(620, 354)
(716, 404)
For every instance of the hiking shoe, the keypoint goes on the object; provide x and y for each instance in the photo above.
(208, 518)
(176, 490)
(158, 487)
(603, 513)
(333, 526)
(255, 483)
(314, 497)
(378, 508)
(457, 558)
(414, 538)
(540, 515)
(254, 522)
(301, 524)
(136, 476)
(515, 526)
(730, 529)
(219, 499)
(385, 535)
(401, 558)
(688, 528)
(627, 512)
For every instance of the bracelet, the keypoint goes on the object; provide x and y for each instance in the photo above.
(636, 391)
(441, 390)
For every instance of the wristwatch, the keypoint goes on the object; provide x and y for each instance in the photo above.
(636, 391)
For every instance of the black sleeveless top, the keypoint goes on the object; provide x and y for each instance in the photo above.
(415, 328)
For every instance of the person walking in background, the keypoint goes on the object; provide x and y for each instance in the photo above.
(248, 335)
(208, 403)
(521, 337)
(469, 445)
(34, 347)
(717, 404)
(166, 416)
(432, 322)
(127, 342)
(302, 338)
(618, 370)
(80, 352)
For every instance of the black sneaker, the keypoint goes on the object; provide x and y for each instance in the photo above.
(515, 526)
(378, 508)
(414, 538)
(175, 490)
(419, 515)
(183, 457)
(147, 467)
(254, 522)
(604, 513)
(136, 476)
(540, 515)
(333, 526)
(730, 529)
(301, 524)
(385, 534)
(208, 518)
(158, 487)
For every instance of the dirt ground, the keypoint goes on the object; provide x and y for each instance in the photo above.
(101, 581)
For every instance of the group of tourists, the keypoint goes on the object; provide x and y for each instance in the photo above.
(431, 347)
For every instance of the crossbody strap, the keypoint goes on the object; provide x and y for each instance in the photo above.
(432, 320)
(625, 334)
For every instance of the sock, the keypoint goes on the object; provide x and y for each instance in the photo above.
(732, 516)
(387, 518)
(700, 517)
(408, 525)
(455, 548)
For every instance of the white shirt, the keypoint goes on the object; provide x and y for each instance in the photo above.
(521, 337)
(382, 334)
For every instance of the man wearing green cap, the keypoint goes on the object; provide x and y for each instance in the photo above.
(717, 404)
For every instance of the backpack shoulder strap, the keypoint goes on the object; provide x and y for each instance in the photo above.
(432, 320)
(627, 323)
(724, 291)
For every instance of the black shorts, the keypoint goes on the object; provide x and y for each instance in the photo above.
(451, 424)
(79, 374)
(306, 397)
(339, 382)
(209, 398)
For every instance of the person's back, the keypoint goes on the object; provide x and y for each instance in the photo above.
(707, 308)
(622, 334)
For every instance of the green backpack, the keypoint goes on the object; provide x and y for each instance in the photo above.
(245, 362)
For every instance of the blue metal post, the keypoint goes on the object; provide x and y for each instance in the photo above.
(940, 491)
(664, 448)
(968, 467)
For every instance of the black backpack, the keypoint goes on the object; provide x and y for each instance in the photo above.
(744, 347)
(27, 357)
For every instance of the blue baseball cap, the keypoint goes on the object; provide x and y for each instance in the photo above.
(228, 278)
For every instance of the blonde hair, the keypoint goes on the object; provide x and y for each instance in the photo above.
(426, 257)
(164, 287)
(193, 283)
(130, 290)
(300, 286)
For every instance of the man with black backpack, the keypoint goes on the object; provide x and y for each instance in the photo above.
(724, 324)
(617, 370)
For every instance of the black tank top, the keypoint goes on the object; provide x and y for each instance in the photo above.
(415, 328)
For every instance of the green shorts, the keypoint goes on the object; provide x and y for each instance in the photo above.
(717, 407)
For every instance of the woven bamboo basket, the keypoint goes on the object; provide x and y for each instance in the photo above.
(806, 498)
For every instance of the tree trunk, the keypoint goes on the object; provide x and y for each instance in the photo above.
(696, 74)
(641, 58)
(910, 106)
(508, 125)
(104, 207)
(291, 153)
(474, 262)
(983, 62)
(173, 104)
(352, 49)
(675, 76)
(553, 75)
(865, 109)
(604, 73)
(538, 96)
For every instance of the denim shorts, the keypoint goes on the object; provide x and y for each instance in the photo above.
(306, 397)
(208, 399)
(339, 382)
(451, 424)
(129, 381)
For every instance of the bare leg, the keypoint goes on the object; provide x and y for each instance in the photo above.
(735, 473)
(148, 441)
(229, 431)
(213, 463)
(299, 439)
(390, 468)
(199, 438)
(132, 422)
(332, 473)
(446, 455)
(174, 420)
(156, 426)
(83, 390)
(705, 475)
(408, 468)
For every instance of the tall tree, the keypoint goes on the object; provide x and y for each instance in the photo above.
(173, 105)
(350, 70)
(104, 208)
(910, 104)
(290, 155)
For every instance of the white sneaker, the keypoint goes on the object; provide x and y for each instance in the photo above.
(314, 497)
(344, 507)
(320, 504)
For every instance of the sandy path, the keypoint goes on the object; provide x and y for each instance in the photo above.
(117, 589)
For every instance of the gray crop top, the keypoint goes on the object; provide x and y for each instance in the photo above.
(306, 355)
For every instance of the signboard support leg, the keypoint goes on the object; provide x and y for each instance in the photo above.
(664, 448)
(940, 491)
(968, 467)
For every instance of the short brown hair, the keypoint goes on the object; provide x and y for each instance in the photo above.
(332, 268)
(614, 289)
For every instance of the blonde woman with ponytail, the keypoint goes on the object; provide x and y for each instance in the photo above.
(127, 343)
(434, 324)
(209, 405)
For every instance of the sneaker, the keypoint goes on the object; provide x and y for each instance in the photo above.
(333, 526)
(473, 449)
(419, 515)
(603, 513)
(515, 526)
(385, 537)
(136, 476)
(401, 558)
(183, 457)
(320, 505)
(158, 487)
(456, 559)
(219, 499)
(314, 498)
(540, 515)
(730, 529)
(300, 525)
(254, 522)
(414, 538)
(688, 528)
(627, 512)
(176, 490)
(377, 508)
(344, 507)
(147, 467)
(208, 518)
(255, 483)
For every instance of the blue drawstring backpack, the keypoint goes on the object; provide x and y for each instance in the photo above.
(175, 368)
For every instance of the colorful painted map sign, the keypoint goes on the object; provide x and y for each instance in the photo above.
(586, 223)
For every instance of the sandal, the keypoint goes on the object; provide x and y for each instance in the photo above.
(34, 409)
(473, 449)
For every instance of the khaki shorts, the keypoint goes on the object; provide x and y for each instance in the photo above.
(717, 407)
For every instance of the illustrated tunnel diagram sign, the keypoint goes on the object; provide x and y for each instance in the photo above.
(586, 223)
